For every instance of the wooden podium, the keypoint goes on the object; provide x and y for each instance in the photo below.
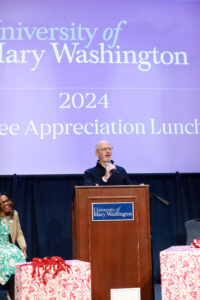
(119, 249)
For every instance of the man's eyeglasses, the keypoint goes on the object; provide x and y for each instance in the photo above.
(106, 148)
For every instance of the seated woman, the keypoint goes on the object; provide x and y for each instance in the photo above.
(10, 232)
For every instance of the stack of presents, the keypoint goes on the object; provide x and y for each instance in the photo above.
(180, 272)
(53, 279)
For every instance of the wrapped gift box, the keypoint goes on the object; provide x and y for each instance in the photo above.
(180, 273)
(73, 285)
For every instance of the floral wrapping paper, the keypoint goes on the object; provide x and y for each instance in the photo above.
(180, 273)
(73, 285)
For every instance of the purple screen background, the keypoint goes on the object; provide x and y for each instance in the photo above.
(147, 107)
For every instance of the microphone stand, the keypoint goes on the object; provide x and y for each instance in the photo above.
(152, 195)
(163, 201)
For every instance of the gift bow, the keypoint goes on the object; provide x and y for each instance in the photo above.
(196, 243)
(47, 264)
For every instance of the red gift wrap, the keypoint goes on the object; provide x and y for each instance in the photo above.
(180, 273)
(72, 283)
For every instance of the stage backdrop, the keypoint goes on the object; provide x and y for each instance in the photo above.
(44, 206)
(75, 72)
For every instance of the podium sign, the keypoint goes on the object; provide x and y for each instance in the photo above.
(111, 229)
(112, 211)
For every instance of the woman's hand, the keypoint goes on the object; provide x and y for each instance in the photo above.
(24, 251)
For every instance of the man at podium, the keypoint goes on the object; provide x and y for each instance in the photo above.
(105, 172)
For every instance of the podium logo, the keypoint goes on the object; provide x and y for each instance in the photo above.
(113, 211)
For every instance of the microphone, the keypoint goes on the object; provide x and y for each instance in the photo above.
(113, 170)
(165, 202)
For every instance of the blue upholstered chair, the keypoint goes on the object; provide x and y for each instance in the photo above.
(192, 229)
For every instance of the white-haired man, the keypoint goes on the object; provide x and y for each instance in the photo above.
(105, 172)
